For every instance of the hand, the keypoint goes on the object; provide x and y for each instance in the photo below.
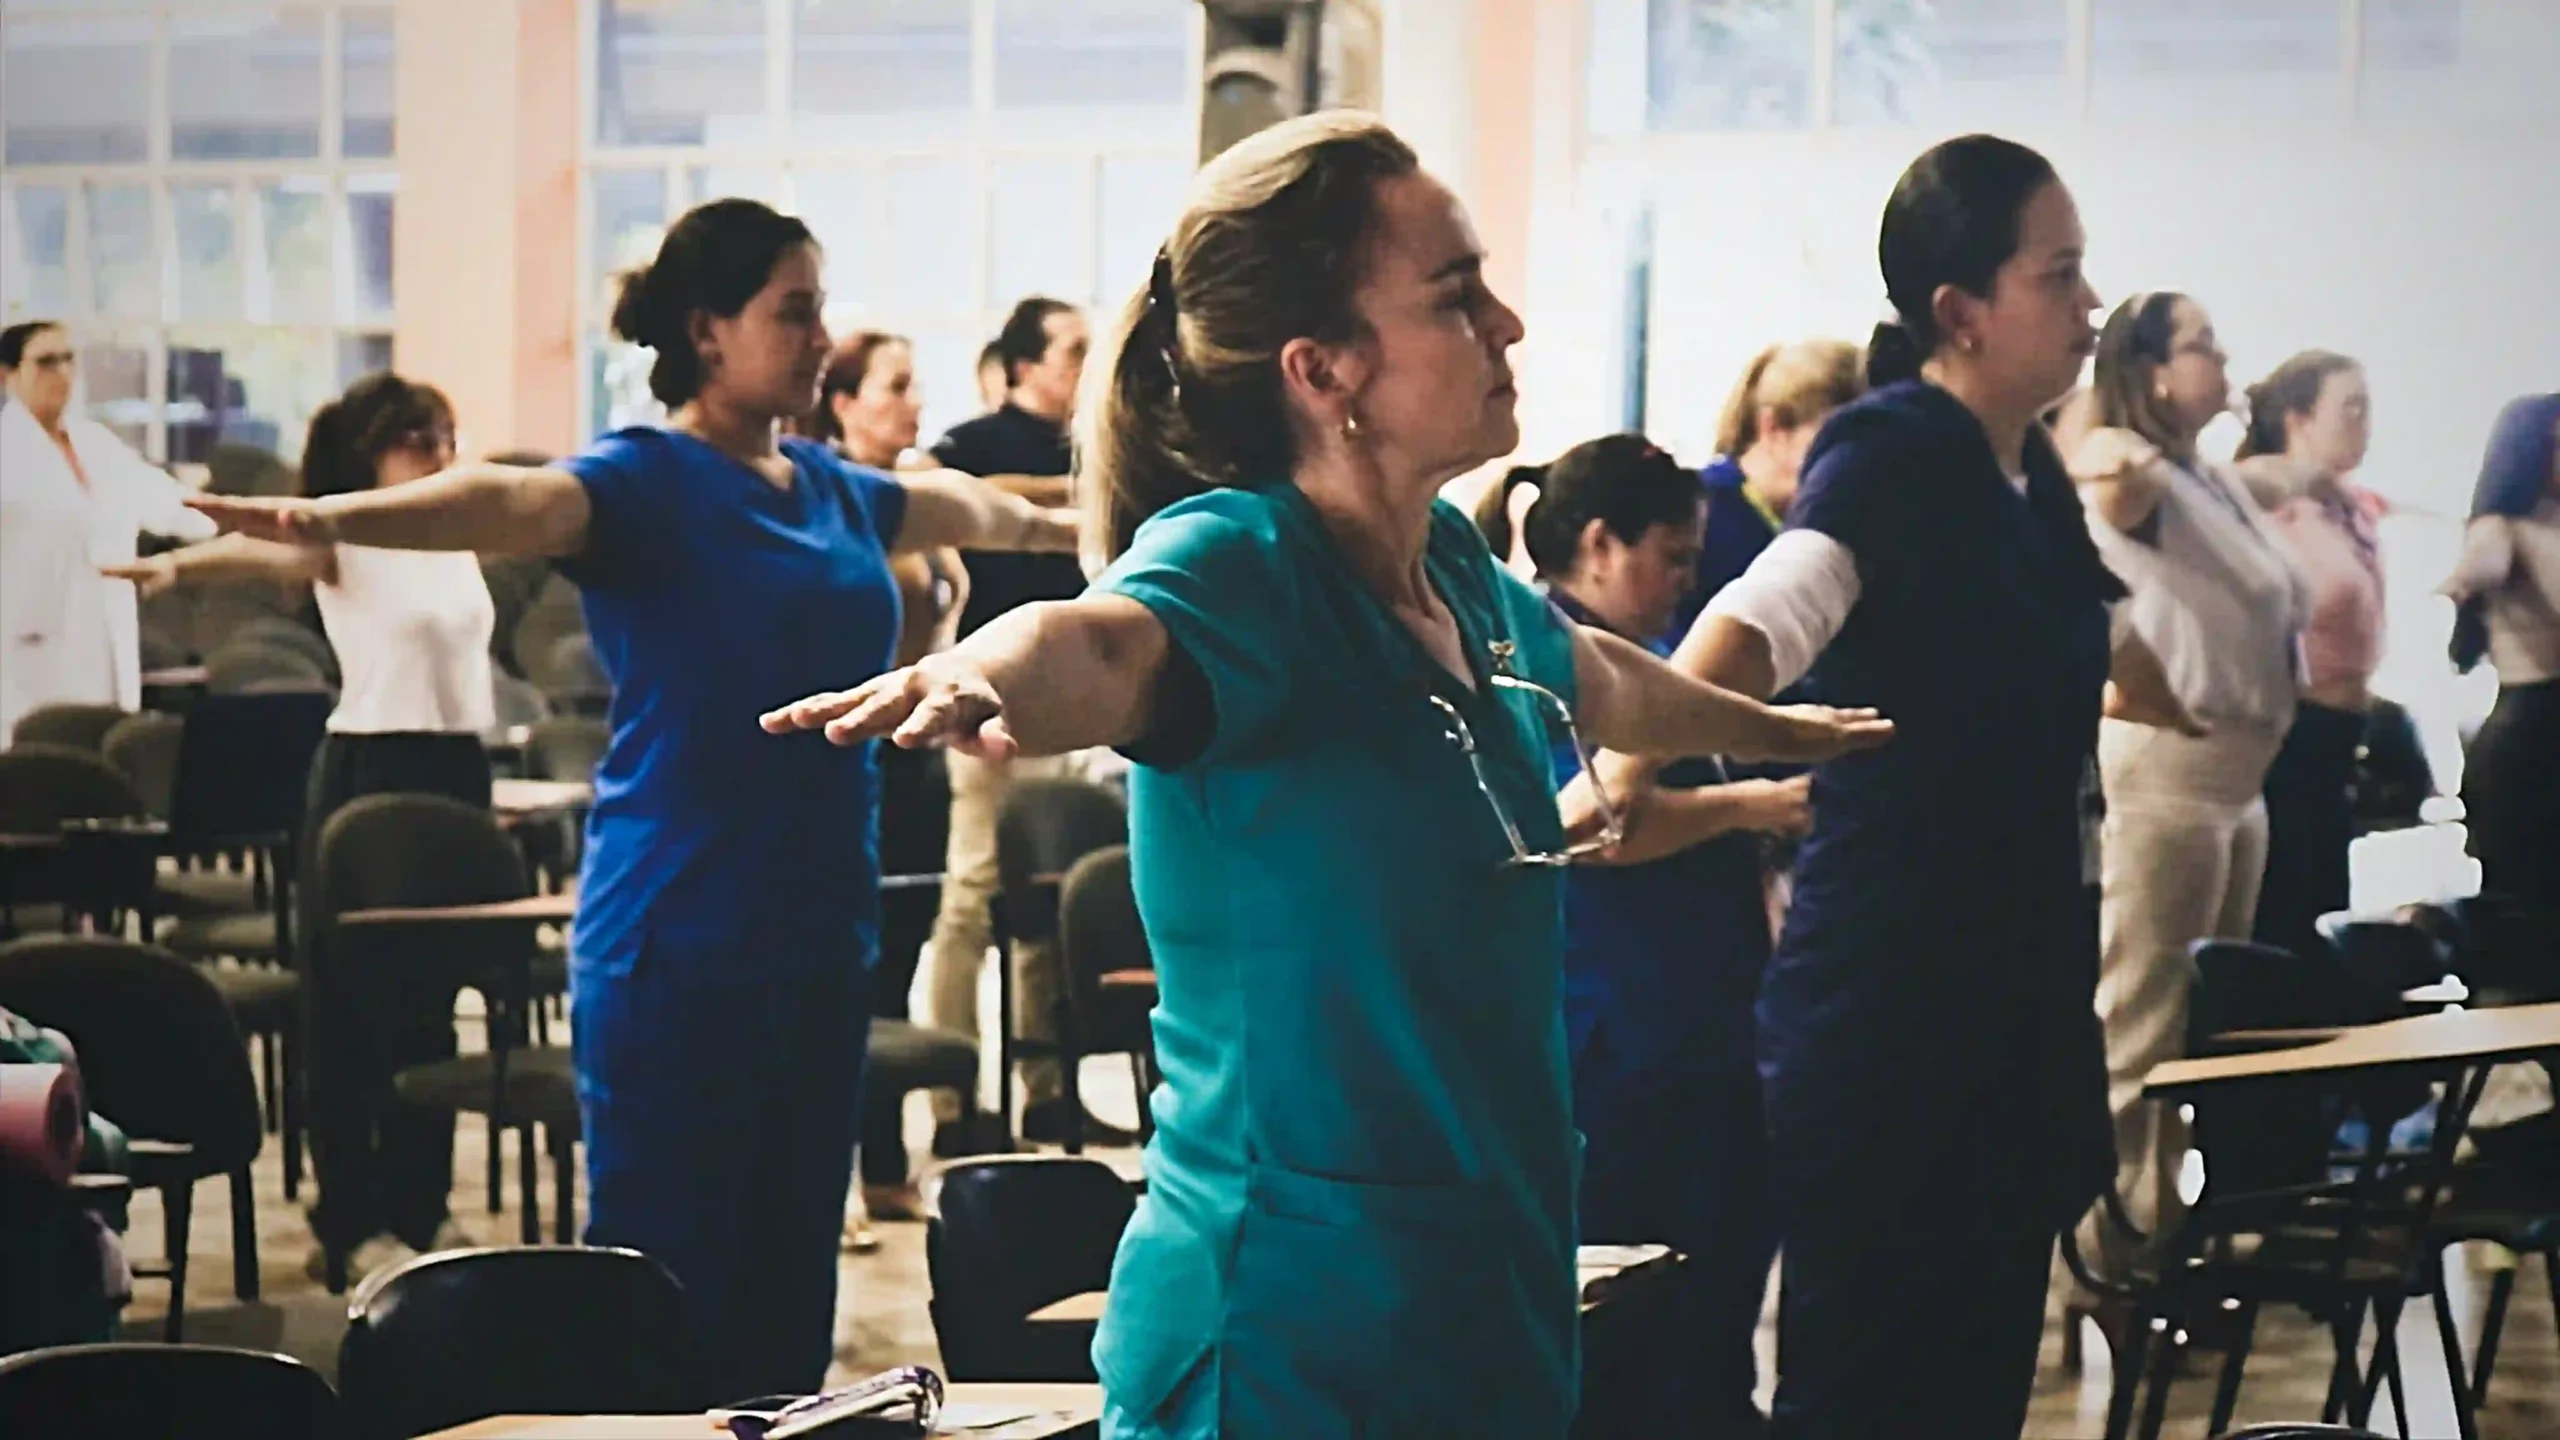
(2109, 454)
(1809, 733)
(150, 576)
(290, 520)
(940, 700)
(1779, 807)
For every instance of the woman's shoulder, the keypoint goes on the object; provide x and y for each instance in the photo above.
(1228, 516)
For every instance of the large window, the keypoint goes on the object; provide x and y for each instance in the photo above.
(203, 192)
(951, 155)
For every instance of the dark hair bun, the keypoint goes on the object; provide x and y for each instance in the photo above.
(1892, 355)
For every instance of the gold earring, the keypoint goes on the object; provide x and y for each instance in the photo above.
(1351, 428)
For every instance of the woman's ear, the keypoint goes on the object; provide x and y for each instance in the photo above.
(1322, 381)
(1957, 314)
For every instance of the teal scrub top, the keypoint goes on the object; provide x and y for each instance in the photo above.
(1360, 1209)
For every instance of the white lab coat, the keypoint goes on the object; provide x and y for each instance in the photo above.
(68, 633)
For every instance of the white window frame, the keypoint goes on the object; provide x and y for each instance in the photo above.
(980, 149)
(159, 172)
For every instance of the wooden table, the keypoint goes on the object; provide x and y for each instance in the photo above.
(1064, 1412)
(2452, 1037)
(513, 798)
(1607, 1272)
(556, 909)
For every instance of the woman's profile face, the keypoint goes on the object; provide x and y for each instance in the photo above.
(881, 416)
(2194, 383)
(2033, 334)
(42, 381)
(2334, 434)
(1439, 389)
(1638, 585)
(767, 359)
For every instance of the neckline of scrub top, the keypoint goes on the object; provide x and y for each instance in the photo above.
(792, 495)
(1473, 649)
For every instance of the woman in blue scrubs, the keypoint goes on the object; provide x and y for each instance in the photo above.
(1359, 1216)
(1935, 1083)
(1665, 939)
(728, 910)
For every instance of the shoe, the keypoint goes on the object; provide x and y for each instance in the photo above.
(1046, 1124)
(893, 1202)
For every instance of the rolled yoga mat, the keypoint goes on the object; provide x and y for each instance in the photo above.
(43, 1121)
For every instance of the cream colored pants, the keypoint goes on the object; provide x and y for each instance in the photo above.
(946, 985)
(2182, 852)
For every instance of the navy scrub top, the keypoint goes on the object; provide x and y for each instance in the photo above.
(711, 597)
(1936, 970)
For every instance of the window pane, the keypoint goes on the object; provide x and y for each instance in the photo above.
(253, 387)
(947, 374)
(1040, 236)
(2437, 59)
(1141, 198)
(706, 183)
(299, 272)
(365, 56)
(369, 214)
(2227, 59)
(933, 209)
(680, 72)
(843, 211)
(362, 355)
(630, 214)
(1094, 64)
(868, 70)
(77, 91)
(1953, 62)
(244, 84)
(39, 251)
(124, 269)
(115, 382)
(1729, 64)
(208, 225)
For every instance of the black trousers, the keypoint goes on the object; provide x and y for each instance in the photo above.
(383, 1165)
(2310, 824)
(915, 832)
(2511, 796)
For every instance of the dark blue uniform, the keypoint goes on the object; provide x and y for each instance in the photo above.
(1661, 964)
(1934, 1074)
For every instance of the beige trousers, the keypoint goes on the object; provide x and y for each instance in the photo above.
(946, 986)
(2182, 853)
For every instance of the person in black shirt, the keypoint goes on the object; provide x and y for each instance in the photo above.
(1042, 347)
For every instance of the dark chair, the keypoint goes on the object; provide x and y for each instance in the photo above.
(463, 1334)
(1111, 977)
(1010, 1234)
(291, 637)
(241, 668)
(408, 850)
(161, 1057)
(43, 790)
(144, 749)
(2508, 953)
(168, 1392)
(904, 1057)
(81, 727)
(1043, 829)
(2391, 779)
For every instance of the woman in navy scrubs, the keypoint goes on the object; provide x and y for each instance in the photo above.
(1665, 939)
(728, 912)
(1935, 1083)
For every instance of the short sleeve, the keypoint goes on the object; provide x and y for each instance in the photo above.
(1852, 494)
(636, 521)
(1213, 571)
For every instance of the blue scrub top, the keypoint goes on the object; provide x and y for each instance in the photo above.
(1662, 960)
(1934, 980)
(1360, 1210)
(711, 597)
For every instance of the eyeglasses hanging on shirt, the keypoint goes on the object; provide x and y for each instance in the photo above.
(1553, 708)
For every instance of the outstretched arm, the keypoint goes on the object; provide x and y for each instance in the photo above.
(492, 509)
(1635, 703)
(950, 508)
(228, 557)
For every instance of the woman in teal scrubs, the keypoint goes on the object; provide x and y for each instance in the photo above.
(1360, 1211)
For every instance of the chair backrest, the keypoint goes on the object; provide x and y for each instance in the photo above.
(41, 786)
(159, 1054)
(413, 849)
(144, 749)
(516, 702)
(2381, 957)
(1045, 826)
(463, 1334)
(566, 747)
(236, 667)
(245, 760)
(291, 637)
(2498, 946)
(1011, 1234)
(1099, 930)
(78, 726)
(169, 1392)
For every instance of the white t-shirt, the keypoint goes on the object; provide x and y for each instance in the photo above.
(411, 628)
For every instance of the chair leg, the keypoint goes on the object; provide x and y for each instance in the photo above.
(2385, 1365)
(269, 1067)
(2124, 1386)
(2346, 1333)
(244, 1236)
(289, 1042)
(177, 1204)
(564, 1186)
(2226, 1394)
(529, 1175)
(2168, 1351)
(2465, 1419)
(2502, 1289)
(497, 1167)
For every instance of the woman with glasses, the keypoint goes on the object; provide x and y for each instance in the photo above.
(411, 630)
(1359, 1216)
(2216, 597)
(73, 498)
(1665, 939)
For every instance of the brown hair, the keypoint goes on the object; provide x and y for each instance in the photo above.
(847, 366)
(1626, 482)
(1186, 395)
(2132, 347)
(350, 435)
(1798, 382)
(713, 259)
(2292, 388)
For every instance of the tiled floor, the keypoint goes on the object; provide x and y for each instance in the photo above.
(881, 1318)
